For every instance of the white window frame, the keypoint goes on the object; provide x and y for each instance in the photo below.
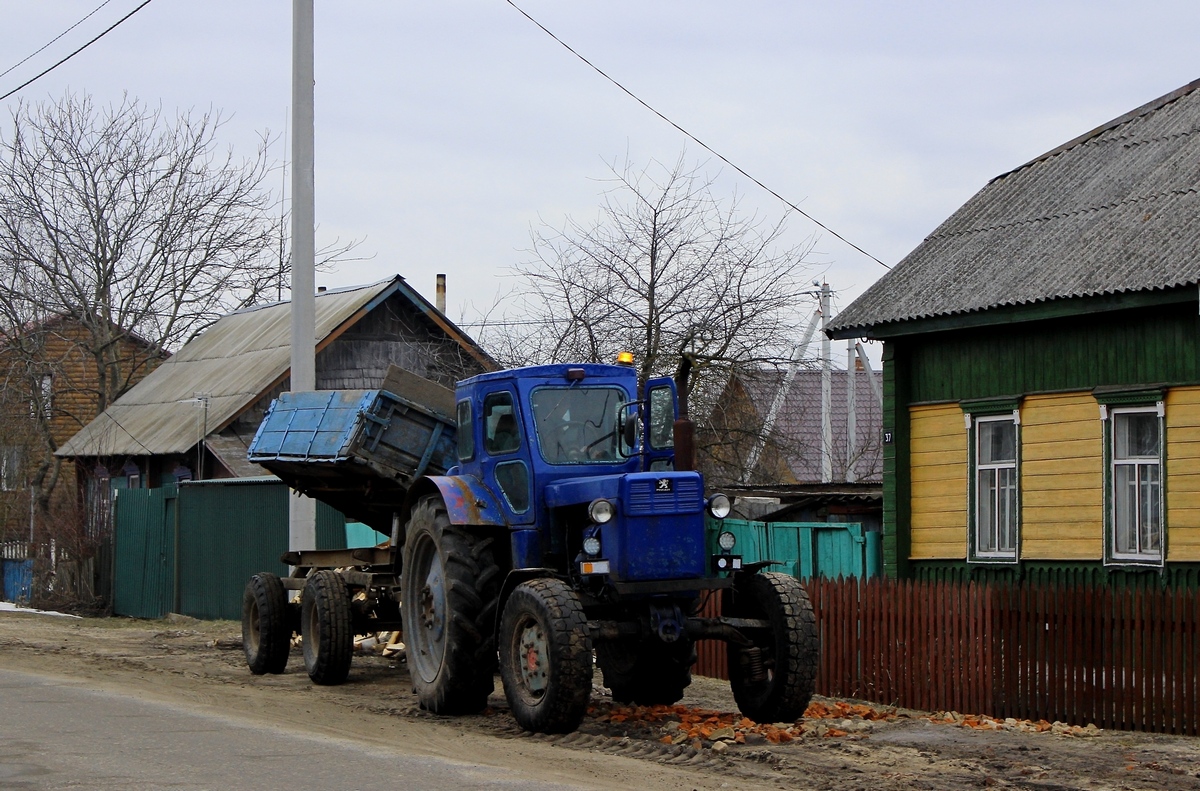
(1153, 557)
(1013, 553)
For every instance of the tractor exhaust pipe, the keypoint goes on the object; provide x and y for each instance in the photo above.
(684, 430)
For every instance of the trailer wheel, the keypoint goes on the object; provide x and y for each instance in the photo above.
(449, 587)
(266, 624)
(325, 623)
(650, 672)
(545, 656)
(773, 680)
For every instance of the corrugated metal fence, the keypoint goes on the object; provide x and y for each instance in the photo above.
(190, 549)
(144, 552)
(1125, 659)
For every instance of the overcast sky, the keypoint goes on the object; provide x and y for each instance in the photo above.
(446, 130)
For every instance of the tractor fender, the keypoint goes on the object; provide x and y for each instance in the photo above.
(515, 578)
(468, 501)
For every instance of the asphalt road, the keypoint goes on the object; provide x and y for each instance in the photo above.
(57, 734)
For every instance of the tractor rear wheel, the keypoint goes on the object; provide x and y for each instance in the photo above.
(772, 680)
(649, 672)
(545, 656)
(325, 624)
(449, 586)
(266, 624)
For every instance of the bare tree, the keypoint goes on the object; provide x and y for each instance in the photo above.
(668, 270)
(130, 229)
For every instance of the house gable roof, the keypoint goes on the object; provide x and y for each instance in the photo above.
(1112, 212)
(234, 362)
(798, 423)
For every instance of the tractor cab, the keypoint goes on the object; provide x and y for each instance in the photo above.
(581, 466)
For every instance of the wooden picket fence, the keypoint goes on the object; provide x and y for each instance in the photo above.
(1120, 658)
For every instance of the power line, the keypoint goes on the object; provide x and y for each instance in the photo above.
(104, 33)
(695, 139)
(56, 38)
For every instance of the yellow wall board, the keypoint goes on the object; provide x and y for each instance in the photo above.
(1067, 481)
(938, 473)
(1089, 548)
(1183, 395)
(1079, 449)
(1062, 496)
(1059, 518)
(1182, 420)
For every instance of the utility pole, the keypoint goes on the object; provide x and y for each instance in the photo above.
(826, 390)
(851, 410)
(302, 531)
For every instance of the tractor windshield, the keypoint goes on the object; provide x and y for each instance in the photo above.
(579, 425)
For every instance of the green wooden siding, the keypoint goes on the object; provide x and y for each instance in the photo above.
(897, 480)
(1144, 346)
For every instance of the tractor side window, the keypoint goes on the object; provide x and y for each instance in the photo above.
(466, 432)
(661, 431)
(501, 430)
(513, 480)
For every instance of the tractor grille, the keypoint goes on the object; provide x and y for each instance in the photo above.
(644, 499)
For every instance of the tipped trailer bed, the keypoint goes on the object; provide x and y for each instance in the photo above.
(356, 450)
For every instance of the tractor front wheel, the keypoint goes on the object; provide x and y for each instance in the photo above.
(545, 656)
(773, 679)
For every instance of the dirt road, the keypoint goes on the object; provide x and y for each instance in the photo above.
(702, 744)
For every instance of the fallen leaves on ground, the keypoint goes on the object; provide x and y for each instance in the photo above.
(679, 724)
(684, 724)
(982, 722)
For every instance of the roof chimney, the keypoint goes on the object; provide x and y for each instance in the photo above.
(441, 293)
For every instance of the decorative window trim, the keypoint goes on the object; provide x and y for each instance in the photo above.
(1113, 403)
(1001, 405)
(1123, 396)
(974, 413)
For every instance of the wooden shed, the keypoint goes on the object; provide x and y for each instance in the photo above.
(194, 416)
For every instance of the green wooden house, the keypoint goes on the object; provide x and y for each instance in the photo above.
(1042, 367)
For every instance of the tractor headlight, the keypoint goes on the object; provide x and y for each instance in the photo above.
(591, 546)
(726, 541)
(601, 511)
(719, 506)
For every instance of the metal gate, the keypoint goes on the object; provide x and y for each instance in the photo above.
(191, 548)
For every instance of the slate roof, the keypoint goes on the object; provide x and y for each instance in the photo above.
(234, 362)
(1115, 210)
(798, 423)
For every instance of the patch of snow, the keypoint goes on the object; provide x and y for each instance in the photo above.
(7, 606)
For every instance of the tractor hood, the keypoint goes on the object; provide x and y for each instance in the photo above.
(637, 493)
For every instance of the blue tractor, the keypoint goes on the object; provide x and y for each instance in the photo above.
(545, 522)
